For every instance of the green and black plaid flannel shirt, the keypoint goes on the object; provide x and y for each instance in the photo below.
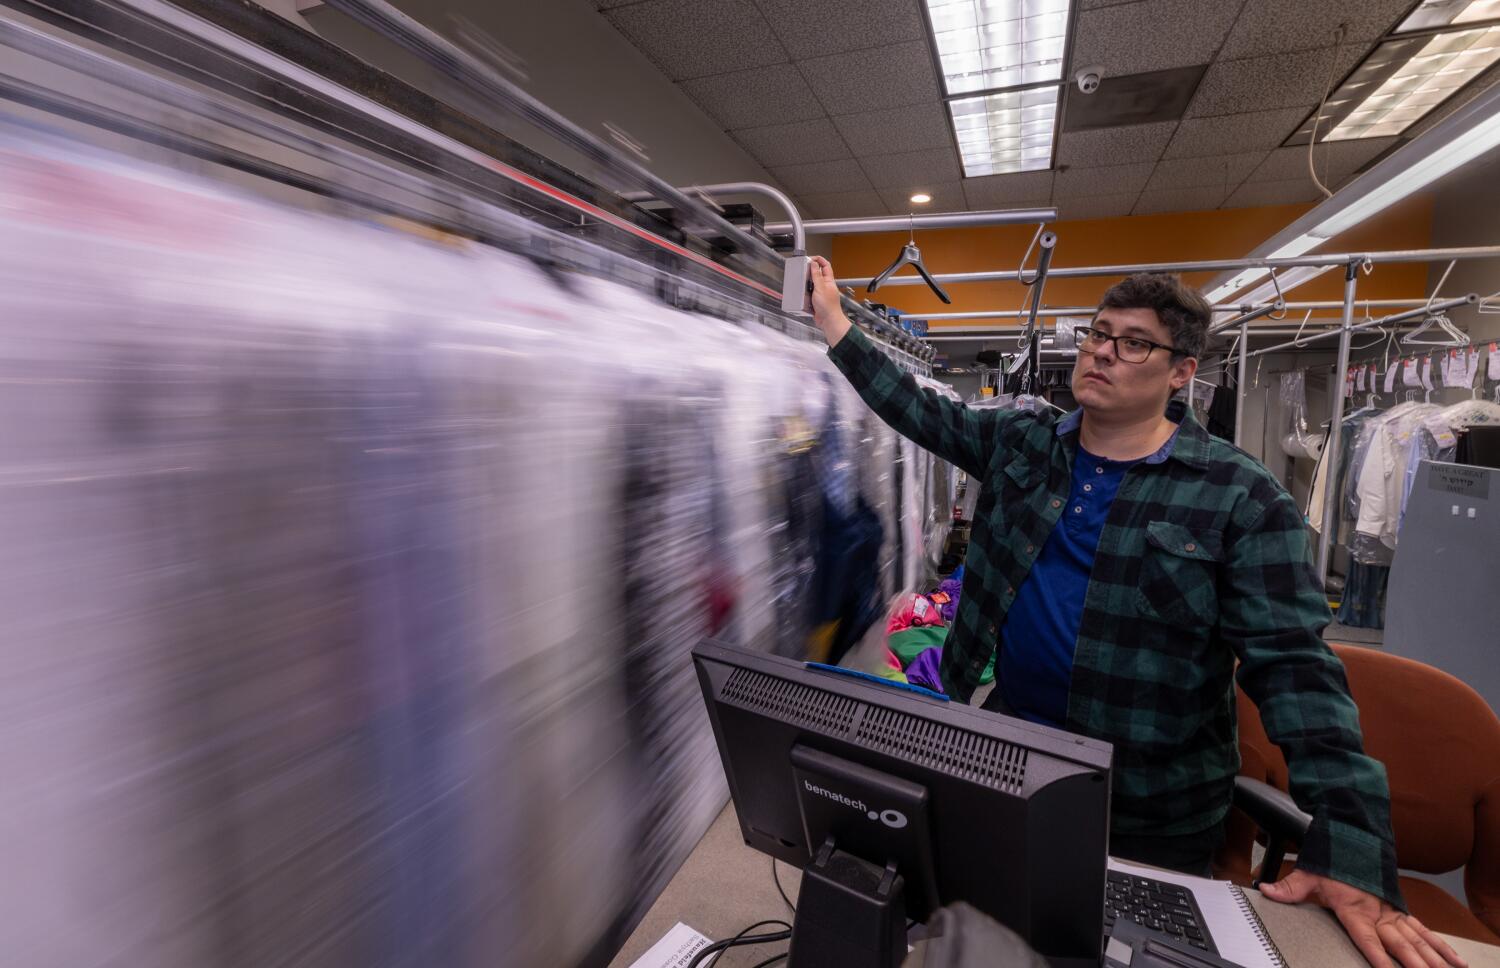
(1204, 560)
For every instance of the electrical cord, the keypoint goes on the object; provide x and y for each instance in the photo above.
(743, 938)
(1338, 43)
(772, 960)
(777, 878)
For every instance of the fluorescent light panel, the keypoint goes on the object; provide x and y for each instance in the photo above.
(1442, 13)
(987, 44)
(1479, 139)
(1430, 70)
(1004, 133)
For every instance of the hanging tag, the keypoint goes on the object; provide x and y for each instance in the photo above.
(1427, 373)
(1440, 431)
(1390, 376)
(1409, 372)
(1471, 365)
(1359, 378)
(1494, 362)
(1451, 363)
(1349, 383)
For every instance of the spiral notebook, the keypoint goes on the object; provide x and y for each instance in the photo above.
(1237, 930)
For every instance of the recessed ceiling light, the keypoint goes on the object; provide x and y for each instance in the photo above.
(1002, 66)
(921, 198)
(988, 44)
(1007, 132)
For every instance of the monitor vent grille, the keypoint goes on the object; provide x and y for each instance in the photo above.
(946, 749)
(792, 702)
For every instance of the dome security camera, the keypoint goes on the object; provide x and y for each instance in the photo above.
(1088, 79)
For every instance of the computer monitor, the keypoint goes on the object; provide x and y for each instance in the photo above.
(895, 802)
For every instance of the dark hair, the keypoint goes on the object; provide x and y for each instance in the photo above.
(1181, 308)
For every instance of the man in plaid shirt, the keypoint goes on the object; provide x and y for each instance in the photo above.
(1123, 561)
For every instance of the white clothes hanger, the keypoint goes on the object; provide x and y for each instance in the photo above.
(1452, 335)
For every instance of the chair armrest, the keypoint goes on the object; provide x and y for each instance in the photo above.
(1276, 813)
(1273, 810)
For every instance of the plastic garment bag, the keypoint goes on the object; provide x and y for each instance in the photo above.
(1297, 440)
(350, 577)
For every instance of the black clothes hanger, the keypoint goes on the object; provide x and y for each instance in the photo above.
(910, 256)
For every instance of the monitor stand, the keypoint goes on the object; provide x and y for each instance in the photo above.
(849, 912)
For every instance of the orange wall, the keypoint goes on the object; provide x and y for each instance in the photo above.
(1176, 237)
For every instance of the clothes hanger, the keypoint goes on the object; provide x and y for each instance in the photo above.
(1453, 336)
(910, 256)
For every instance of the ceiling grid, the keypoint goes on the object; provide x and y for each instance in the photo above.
(842, 101)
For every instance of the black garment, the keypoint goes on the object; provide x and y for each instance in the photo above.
(1187, 853)
(1221, 413)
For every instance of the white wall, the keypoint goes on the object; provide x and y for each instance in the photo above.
(581, 67)
(1466, 211)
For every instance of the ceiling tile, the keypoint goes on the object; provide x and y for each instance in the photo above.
(909, 128)
(946, 197)
(1275, 81)
(793, 144)
(1009, 191)
(868, 80)
(931, 165)
(822, 176)
(1257, 194)
(692, 38)
(841, 204)
(606, 4)
(751, 99)
(1334, 159)
(1179, 200)
(1275, 26)
(832, 26)
(1233, 134)
(1214, 171)
(1096, 206)
(1108, 180)
(1152, 35)
(1114, 146)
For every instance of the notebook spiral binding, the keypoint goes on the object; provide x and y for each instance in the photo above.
(1257, 925)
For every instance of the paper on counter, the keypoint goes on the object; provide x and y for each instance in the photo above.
(674, 950)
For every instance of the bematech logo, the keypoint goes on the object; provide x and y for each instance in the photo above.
(894, 819)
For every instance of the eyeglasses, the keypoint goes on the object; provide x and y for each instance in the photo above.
(1131, 349)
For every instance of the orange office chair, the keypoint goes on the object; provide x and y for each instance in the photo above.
(1440, 743)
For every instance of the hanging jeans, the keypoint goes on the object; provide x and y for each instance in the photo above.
(1363, 604)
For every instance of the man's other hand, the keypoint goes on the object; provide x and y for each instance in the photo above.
(1384, 935)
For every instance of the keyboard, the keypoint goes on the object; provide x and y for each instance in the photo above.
(1156, 906)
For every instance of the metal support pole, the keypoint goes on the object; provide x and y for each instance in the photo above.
(1222, 308)
(1239, 383)
(1396, 320)
(796, 226)
(903, 223)
(1335, 430)
(1208, 265)
(1276, 307)
(1046, 244)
